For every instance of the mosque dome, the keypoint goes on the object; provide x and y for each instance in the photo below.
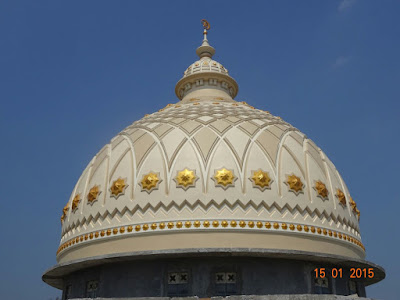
(209, 197)
(210, 172)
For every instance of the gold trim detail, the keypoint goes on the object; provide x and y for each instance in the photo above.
(224, 178)
(205, 23)
(261, 180)
(75, 202)
(294, 184)
(321, 189)
(354, 208)
(150, 182)
(118, 187)
(94, 192)
(186, 178)
(341, 197)
(65, 210)
(212, 225)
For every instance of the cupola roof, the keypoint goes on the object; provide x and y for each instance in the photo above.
(206, 74)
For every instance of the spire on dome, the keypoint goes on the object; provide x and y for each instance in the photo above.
(206, 77)
(205, 50)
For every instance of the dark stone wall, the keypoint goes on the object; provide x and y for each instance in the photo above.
(252, 276)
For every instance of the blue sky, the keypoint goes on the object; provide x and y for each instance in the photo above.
(75, 73)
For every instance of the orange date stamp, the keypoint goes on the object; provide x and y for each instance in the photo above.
(338, 273)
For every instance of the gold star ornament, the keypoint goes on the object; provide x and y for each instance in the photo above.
(75, 202)
(354, 208)
(186, 178)
(294, 183)
(150, 182)
(64, 214)
(93, 194)
(341, 197)
(224, 178)
(261, 180)
(357, 212)
(118, 187)
(321, 189)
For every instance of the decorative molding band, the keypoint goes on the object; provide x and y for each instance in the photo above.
(218, 225)
(201, 79)
(212, 204)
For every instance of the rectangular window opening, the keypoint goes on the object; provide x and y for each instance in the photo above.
(178, 284)
(353, 289)
(91, 289)
(322, 285)
(68, 292)
(225, 283)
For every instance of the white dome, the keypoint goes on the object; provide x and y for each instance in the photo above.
(209, 172)
(204, 137)
(205, 64)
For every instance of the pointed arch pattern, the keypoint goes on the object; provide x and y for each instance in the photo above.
(252, 138)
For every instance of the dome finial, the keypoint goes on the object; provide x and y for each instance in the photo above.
(205, 50)
(206, 27)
